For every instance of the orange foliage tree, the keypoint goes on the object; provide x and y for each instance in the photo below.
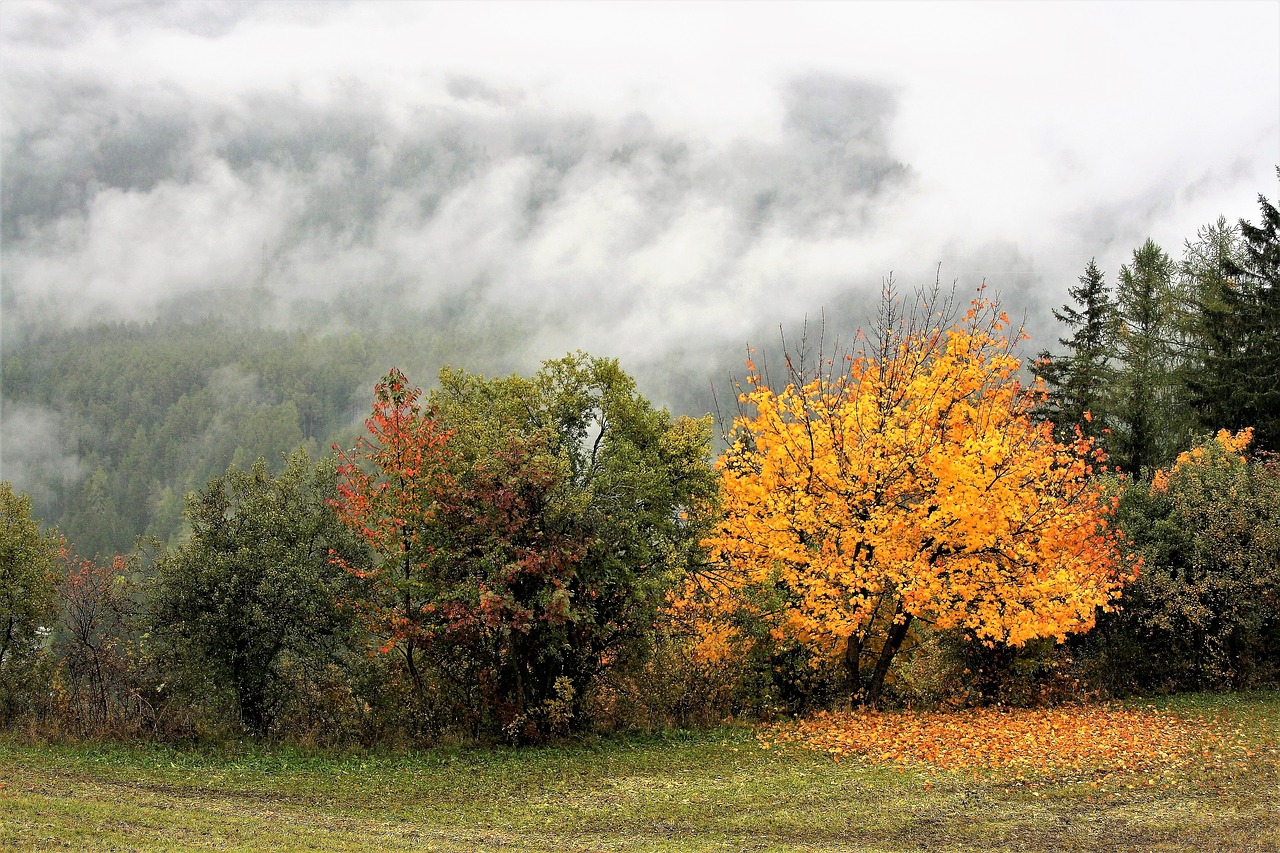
(904, 482)
(97, 650)
(392, 489)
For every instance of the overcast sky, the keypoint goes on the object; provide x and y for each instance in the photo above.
(658, 182)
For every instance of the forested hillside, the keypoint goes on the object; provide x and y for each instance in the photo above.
(151, 412)
(1162, 350)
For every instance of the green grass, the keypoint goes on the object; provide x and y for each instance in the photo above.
(699, 791)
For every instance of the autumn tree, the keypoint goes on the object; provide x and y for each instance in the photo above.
(623, 503)
(906, 482)
(97, 643)
(468, 576)
(527, 529)
(391, 489)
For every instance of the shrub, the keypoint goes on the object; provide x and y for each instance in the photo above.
(1205, 612)
(253, 592)
(29, 562)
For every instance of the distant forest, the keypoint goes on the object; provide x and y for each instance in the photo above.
(146, 413)
(1165, 349)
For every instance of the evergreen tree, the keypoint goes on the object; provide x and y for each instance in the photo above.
(1079, 380)
(1143, 404)
(1204, 324)
(1238, 382)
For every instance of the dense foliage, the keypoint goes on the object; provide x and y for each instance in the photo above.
(151, 412)
(911, 484)
(1177, 349)
(527, 531)
(518, 557)
(1237, 383)
(253, 593)
(28, 573)
(1205, 613)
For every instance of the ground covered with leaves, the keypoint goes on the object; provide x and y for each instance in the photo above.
(1186, 773)
(1099, 738)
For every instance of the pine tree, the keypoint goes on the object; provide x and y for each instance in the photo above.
(1206, 327)
(1239, 383)
(1079, 380)
(1143, 403)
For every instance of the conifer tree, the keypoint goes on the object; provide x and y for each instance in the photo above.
(1078, 381)
(1238, 383)
(1143, 403)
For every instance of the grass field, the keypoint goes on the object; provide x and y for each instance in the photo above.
(700, 791)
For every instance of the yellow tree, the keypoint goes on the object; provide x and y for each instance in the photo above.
(906, 481)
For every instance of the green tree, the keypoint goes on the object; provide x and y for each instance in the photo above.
(1201, 318)
(1237, 384)
(1079, 380)
(28, 568)
(528, 530)
(1142, 404)
(255, 587)
(631, 495)
(93, 514)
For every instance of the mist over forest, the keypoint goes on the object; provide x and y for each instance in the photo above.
(210, 255)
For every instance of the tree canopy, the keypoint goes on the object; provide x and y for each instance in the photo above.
(1238, 385)
(255, 583)
(527, 529)
(908, 481)
(29, 561)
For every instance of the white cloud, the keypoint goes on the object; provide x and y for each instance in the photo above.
(32, 453)
(636, 177)
(134, 249)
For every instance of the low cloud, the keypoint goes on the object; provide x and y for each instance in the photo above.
(399, 161)
(33, 456)
(613, 236)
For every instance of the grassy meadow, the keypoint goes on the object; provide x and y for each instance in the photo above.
(716, 790)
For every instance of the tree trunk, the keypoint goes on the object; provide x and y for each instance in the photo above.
(852, 659)
(407, 650)
(893, 642)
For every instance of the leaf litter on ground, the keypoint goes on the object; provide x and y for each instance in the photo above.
(1095, 739)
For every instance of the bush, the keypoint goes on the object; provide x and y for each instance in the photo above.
(1205, 611)
(526, 532)
(251, 601)
(103, 682)
(28, 568)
